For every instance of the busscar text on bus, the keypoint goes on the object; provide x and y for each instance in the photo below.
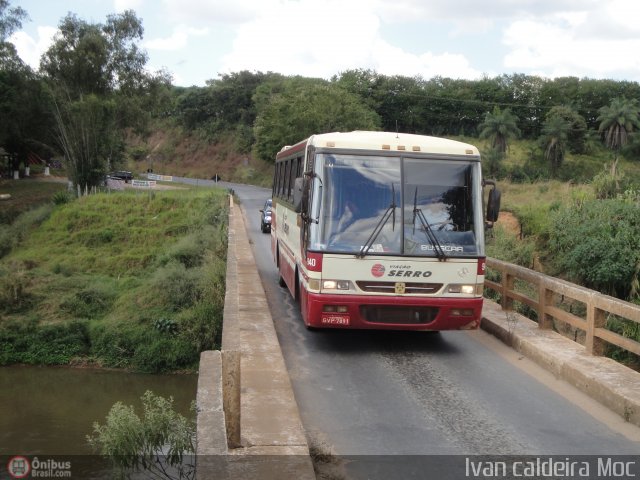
(382, 230)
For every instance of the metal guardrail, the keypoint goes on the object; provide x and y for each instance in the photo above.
(546, 295)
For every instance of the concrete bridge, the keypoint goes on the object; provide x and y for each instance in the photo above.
(249, 425)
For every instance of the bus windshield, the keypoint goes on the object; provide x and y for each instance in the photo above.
(396, 206)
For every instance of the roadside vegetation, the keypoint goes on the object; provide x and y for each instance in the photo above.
(565, 151)
(129, 279)
(160, 442)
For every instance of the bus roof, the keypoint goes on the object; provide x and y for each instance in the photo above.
(390, 141)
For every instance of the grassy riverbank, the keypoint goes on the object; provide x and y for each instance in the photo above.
(129, 279)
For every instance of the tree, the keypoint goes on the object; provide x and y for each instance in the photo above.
(401, 102)
(224, 107)
(617, 122)
(22, 98)
(26, 102)
(295, 108)
(555, 135)
(499, 126)
(98, 78)
(10, 19)
(89, 137)
(364, 83)
(577, 133)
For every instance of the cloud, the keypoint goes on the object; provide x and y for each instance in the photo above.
(178, 39)
(218, 11)
(302, 39)
(29, 49)
(122, 5)
(615, 19)
(391, 60)
(463, 10)
(599, 43)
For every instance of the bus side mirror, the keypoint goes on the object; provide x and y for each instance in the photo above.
(493, 206)
(298, 194)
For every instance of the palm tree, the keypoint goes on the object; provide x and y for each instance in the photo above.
(499, 126)
(617, 122)
(555, 137)
(577, 134)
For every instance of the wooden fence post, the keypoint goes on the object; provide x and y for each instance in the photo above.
(596, 318)
(508, 282)
(545, 297)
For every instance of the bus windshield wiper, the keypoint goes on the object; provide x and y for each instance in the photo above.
(389, 212)
(427, 228)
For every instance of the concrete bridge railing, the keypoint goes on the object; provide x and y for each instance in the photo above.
(248, 424)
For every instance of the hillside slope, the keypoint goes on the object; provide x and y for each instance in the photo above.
(170, 150)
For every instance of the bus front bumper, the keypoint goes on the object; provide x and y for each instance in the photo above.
(393, 312)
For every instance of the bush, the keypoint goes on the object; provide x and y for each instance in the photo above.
(201, 326)
(598, 244)
(62, 197)
(142, 348)
(609, 183)
(507, 247)
(627, 329)
(114, 345)
(158, 353)
(162, 438)
(28, 342)
(534, 219)
(139, 152)
(90, 302)
(492, 161)
(190, 250)
(177, 287)
(530, 171)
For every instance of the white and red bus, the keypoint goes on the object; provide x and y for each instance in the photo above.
(382, 230)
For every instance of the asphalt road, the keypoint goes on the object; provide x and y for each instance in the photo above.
(380, 401)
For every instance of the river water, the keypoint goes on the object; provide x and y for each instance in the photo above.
(49, 411)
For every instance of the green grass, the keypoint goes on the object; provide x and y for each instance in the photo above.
(141, 275)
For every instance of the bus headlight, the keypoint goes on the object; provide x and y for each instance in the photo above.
(336, 285)
(475, 289)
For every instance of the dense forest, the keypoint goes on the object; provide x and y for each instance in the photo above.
(92, 94)
(92, 88)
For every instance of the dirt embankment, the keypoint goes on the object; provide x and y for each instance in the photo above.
(510, 223)
(170, 152)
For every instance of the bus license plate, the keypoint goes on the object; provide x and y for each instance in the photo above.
(335, 320)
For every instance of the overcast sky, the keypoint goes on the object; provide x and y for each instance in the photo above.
(196, 40)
